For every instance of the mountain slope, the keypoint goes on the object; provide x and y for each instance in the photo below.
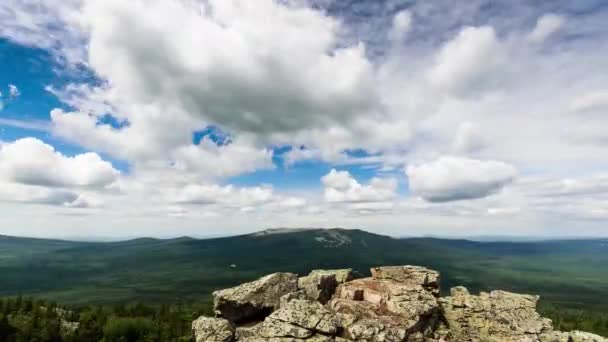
(568, 274)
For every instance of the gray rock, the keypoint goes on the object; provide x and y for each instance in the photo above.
(396, 304)
(207, 329)
(580, 336)
(308, 315)
(495, 316)
(254, 300)
(412, 275)
(342, 275)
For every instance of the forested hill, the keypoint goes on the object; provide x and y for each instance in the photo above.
(570, 276)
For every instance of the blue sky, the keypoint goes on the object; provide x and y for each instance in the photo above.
(401, 117)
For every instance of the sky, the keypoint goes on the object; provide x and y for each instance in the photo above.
(219, 117)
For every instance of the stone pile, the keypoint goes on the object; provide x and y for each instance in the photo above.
(397, 303)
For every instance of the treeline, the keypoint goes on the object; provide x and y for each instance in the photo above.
(571, 319)
(30, 320)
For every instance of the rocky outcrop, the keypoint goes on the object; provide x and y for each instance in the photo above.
(397, 303)
(213, 329)
(255, 300)
(320, 285)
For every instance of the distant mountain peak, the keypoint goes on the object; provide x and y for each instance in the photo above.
(281, 230)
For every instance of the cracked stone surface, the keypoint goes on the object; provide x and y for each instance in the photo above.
(395, 304)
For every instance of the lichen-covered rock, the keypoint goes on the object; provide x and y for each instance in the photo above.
(309, 315)
(208, 329)
(410, 301)
(342, 275)
(580, 336)
(254, 300)
(320, 285)
(495, 316)
(412, 275)
(396, 304)
(573, 336)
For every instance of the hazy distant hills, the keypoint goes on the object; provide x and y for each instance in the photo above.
(569, 274)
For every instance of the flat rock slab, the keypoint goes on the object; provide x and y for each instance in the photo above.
(254, 300)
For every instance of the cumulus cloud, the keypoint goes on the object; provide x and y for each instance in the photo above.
(229, 195)
(221, 161)
(15, 192)
(546, 25)
(340, 186)
(469, 82)
(468, 138)
(32, 162)
(469, 62)
(597, 99)
(264, 69)
(451, 178)
(13, 91)
(402, 22)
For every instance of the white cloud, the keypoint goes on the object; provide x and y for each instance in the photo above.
(469, 62)
(222, 161)
(44, 24)
(15, 192)
(227, 195)
(259, 68)
(597, 99)
(340, 186)
(546, 25)
(469, 82)
(32, 162)
(402, 22)
(452, 178)
(469, 138)
(13, 91)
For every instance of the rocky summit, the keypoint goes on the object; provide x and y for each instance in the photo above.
(397, 303)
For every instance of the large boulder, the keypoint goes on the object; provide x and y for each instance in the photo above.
(320, 285)
(412, 275)
(411, 299)
(495, 316)
(208, 329)
(390, 306)
(300, 319)
(396, 304)
(573, 336)
(255, 300)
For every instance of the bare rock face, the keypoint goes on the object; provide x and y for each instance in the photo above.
(495, 316)
(212, 330)
(254, 300)
(396, 304)
(412, 275)
(320, 285)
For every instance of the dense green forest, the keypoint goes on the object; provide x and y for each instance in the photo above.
(95, 280)
(30, 320)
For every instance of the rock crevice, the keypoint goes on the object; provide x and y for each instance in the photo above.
(395, 304)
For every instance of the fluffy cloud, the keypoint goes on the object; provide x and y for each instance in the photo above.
(13, 91)
(597, 99)
(229, 195)
(460, 81)
(15, 192)
(468, 138)
(402, 22)
(222, 161)
(452, 178)
(468, 62)
(340, 186)
(32, 162)
(546, 25)
(258, 68)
